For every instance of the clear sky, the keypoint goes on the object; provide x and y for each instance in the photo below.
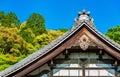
(61, 13)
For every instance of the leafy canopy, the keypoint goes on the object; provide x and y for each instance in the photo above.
(18, 40)
(114, 33)
(9, 20)
(44, 39)
(34, 26)
(11, 42)
(37, 23)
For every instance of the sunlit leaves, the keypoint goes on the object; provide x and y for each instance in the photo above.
(10, 41)
(63, 29)
(114, 33)
(37, 23)
(9, 20)
(6, 60)
(18, 41)
(34, 26)
(44, 39)
(2, 16)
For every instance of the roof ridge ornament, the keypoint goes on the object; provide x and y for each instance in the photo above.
(84, 13)
(84, 16)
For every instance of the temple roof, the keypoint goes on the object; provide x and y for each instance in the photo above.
(82, 20)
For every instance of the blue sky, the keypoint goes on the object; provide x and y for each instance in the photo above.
(61, 13)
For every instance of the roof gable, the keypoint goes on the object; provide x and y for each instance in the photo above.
(83, 27)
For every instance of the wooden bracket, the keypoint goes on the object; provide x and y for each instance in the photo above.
(100, 54)
(116, 67)
(66, 54)
(51, 63)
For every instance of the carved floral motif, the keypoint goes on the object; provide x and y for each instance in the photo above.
(84, 42)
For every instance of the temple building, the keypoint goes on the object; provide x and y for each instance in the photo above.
(81, 52)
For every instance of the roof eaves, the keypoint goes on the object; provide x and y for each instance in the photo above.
(109, 41)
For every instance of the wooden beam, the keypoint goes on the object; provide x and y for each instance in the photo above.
(74, 61)
(86, 68)
(83, 71)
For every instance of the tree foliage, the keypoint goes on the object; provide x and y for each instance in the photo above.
(11, 42)
(19, 40)
(7, 60)
(63, 29)
(37, 24)
(44, 39)
(2, 16)
(27, 33)
(114, 33)
(9, 20)
(34, 26)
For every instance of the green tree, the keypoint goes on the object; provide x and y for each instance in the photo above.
(37, 24)
(11, 20)
(44, 39)
(2, 16)
(114, 33)
(26, 33)
(34, 26)
(6, 60)
(63, 29)
(11, 42)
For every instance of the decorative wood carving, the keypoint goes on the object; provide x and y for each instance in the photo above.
(84, 42)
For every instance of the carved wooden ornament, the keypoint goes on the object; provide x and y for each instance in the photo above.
(84, 42)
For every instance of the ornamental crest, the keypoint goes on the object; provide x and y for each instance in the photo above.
(84, 42)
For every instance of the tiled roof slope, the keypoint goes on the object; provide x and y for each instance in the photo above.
(36, 55)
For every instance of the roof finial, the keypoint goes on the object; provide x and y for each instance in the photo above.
(84, 15)
(84, 12)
